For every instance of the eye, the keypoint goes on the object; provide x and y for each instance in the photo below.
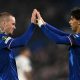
(13, 23)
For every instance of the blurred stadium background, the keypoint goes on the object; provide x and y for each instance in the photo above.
(49, 61)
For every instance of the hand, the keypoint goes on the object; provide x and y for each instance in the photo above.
(39, 18)
(33, 18)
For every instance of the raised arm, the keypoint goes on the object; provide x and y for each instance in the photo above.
(55, 37)
(19, 41)
(40, 22)
(24, 39)
(55, 30)
(72, 39)
(52, 33)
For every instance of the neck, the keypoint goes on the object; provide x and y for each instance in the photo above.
(78, 29)
(1, 31)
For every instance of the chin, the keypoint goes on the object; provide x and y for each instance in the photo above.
(74, 30)
(11, 33)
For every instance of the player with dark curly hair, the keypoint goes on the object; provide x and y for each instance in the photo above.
(61, 37)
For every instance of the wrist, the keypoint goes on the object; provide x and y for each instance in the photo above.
(40, 23)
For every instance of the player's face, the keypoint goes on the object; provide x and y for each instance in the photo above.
(10, 25)
(74, 23)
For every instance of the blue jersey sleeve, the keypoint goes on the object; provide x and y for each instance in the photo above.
(55, 30)
(55, 37)
(19, 41)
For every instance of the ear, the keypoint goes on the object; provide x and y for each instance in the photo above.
(4, 25)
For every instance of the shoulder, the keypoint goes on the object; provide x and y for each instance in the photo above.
(3, 36)
(76, 36)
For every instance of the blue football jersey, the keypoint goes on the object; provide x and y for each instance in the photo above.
(74, 57)
(8, 69)
(74, 51)
(7, 62)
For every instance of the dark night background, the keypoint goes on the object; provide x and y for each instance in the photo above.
(49, 61)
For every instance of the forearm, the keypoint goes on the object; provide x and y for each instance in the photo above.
(22, 40)
(55, 30)
(55, 37)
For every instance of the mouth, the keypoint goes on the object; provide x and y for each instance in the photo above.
(71, 25)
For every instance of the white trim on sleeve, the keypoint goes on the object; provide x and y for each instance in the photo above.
(6, 41)
(40, 23)
(10, 43)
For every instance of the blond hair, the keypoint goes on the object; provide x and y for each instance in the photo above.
(4, 16)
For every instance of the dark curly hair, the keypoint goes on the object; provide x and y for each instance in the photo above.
(76, 13)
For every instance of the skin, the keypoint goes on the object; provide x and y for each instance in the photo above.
(8, 23)
(74, 23)
(9, 26)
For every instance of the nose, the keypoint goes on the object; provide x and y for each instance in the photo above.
(70, 22)
(14, 27)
